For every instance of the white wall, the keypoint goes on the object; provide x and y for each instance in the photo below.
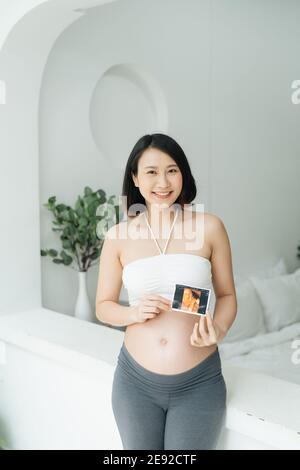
(226, 83)
(27, 34)
(21, 65)
(225, 71)
(89, 123)
(255, 137)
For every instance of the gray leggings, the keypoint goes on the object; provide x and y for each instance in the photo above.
(161, 411)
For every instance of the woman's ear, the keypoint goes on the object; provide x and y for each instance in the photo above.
(134, 179)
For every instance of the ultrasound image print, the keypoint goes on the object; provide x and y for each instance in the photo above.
(191, 299)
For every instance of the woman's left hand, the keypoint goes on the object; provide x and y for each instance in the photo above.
(206, 332)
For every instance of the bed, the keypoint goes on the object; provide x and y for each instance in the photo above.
(276, 353)
(265, 336)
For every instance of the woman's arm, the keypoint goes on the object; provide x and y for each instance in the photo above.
(209, 330)
(222, 277)
(108, 310)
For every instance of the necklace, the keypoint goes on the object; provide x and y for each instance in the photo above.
(162, 252)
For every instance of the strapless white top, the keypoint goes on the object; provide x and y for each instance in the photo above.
(158, 274)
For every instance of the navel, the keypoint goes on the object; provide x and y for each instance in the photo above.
(163, 341)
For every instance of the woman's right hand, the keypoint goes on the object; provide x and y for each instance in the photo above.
(149, 306)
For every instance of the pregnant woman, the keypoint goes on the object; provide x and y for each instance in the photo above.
(168, 389)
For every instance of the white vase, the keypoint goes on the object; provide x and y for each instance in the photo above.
(83, 309)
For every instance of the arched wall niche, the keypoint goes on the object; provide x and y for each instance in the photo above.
(28, 32)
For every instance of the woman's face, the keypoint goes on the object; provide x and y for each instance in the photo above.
(158, 173)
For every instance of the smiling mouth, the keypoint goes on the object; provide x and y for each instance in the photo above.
(162, 195)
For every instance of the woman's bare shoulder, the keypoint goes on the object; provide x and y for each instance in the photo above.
(213, 227)
(211, 220)
(120, 231)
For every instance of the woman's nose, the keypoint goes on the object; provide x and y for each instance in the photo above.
(163, 181)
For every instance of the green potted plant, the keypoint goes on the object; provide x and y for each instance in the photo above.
(82, 230)
(2, 444)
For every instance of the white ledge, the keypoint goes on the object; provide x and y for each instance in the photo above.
(263, 407)
(68, 340)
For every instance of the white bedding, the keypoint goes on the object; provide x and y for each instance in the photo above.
(270, 353)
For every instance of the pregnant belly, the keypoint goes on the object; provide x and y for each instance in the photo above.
(162, 344)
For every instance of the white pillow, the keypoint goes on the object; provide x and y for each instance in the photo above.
(249, 320)
(280, 297)
(277, 270)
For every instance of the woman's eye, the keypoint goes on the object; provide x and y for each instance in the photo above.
(152, 171)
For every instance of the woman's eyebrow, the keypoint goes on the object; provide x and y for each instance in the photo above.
(173, 164)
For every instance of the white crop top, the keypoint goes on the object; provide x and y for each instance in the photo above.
(158, 274)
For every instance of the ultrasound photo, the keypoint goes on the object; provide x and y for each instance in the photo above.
(191, 299)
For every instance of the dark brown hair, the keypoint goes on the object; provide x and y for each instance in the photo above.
(168, 145)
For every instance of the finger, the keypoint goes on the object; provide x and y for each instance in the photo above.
(202, 326)
(204, 334)
(195, 339)
(192, 338)
(208, 318)
(161, 305)
(165, 306)
(150, 309)
(149, 296)
(150, 315)
(166, 300)
(150, 312)
(194, 343)
(156, 302)
(149, 304)
(164, 303)
(210, 326)
(159, 298)
(196, 335)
